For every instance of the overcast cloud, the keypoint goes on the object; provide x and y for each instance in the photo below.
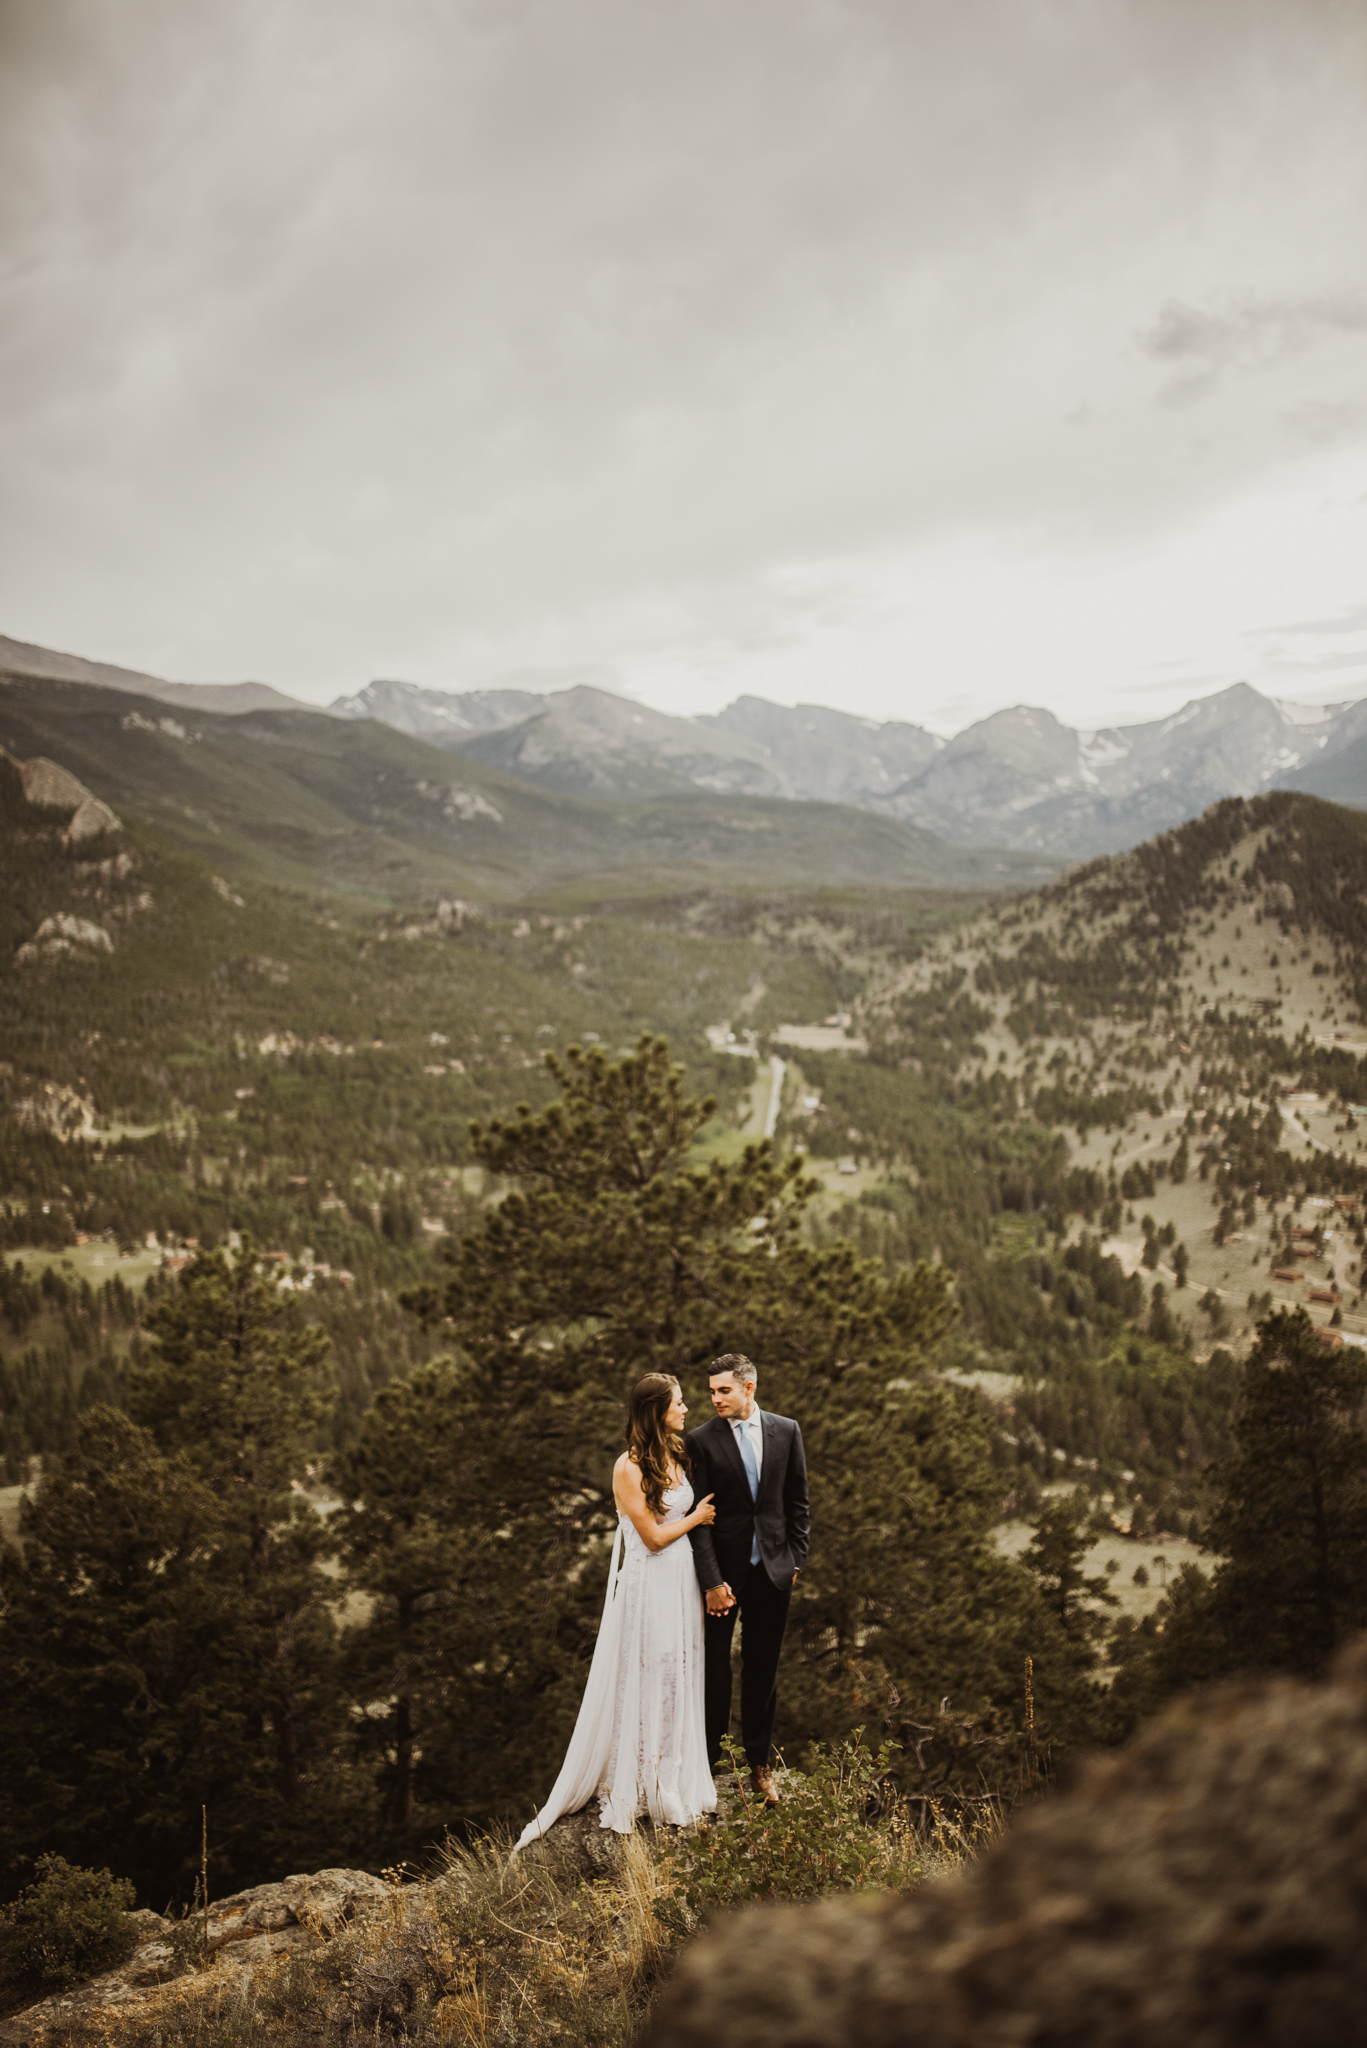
(912, 358)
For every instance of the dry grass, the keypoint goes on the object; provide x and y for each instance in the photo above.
(568, 1946)
(488, 1953)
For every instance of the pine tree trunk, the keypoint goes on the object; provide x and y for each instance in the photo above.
(401, 1805)
(287, 1751)
(282, 1707)
(1324, 1598)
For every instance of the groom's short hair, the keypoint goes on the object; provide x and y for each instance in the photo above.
(737, 1364)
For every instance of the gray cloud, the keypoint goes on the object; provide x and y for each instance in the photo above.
(455, 335)
(1251, 329)
(1255, 333)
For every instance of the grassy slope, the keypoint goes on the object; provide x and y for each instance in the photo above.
(299, 798)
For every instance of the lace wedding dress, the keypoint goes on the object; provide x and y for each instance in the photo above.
(640, 1744)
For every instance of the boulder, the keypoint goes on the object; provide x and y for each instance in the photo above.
(1205, 1886)
(50, 785)
(295, 1911)
(91, 820)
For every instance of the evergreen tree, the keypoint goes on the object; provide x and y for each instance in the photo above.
(912, 1624)
(234, 1387)
(169, 1624)
(120, 1643)
(419, 1545)
(614, 1255)
(1074, 1597)
(1290, 1521)
(1291, 1517)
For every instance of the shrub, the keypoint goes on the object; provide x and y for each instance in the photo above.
(67, 1925)
(818, 1839)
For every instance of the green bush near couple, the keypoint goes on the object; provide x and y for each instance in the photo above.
(824, 1835)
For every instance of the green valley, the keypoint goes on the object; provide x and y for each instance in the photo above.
(1039, 1165)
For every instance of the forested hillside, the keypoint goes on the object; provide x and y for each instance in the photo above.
(1036, 1165)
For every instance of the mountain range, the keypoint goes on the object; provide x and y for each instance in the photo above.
(1020, 780)
(359, 810)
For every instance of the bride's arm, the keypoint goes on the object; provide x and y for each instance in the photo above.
(630, 1497)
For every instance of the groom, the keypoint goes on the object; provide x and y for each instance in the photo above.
(749, 1559)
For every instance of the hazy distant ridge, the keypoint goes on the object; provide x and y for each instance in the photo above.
(43, 664)
(1019, 779)
(588, 741)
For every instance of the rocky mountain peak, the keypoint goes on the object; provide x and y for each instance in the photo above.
(1020, 779)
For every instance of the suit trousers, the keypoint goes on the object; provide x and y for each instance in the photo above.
(763, 1610)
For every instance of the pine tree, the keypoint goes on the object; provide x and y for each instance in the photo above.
(170, 1624)
(418, 1544)
(913, 1625)
(1291, 1517)
(1290, 1522)
(1073, 1596)
(614, 1255)
(234, 1387)
(120, 1641)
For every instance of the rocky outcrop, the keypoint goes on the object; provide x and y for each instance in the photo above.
(253, 1927)
(578, 1849)
(91, 820)
(1204, 1887)
(50, 787)
(296, 1912)
(63, 933)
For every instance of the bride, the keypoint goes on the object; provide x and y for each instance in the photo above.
(640, 1743)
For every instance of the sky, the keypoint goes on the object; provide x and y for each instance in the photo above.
(914, 359)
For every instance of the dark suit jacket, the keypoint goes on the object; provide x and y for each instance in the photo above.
(780, 1516)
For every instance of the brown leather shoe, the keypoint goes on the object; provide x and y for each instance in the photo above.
(763, 1786)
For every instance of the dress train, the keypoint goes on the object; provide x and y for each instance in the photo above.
(640, 1742)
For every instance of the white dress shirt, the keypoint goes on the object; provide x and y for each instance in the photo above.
(752, 1428)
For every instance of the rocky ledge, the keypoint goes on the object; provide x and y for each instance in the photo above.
(255, 1927)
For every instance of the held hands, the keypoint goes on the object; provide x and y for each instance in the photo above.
(720, 1599)
(703, 1514)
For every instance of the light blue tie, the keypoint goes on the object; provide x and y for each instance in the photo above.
(748, 1459)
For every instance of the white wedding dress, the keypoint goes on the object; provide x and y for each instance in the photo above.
(640, 1743)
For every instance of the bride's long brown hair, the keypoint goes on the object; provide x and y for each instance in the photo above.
(658, 1450)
